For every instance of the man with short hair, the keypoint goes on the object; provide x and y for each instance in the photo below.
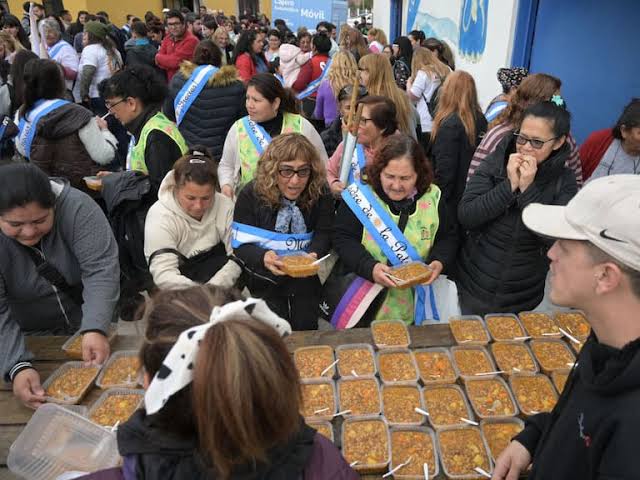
(595, 267)
(126, 28)
(38, 11)
(177, 46)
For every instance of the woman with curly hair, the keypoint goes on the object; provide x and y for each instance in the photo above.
(377, 77)
(286, 209)
(399, 199)
(342, 72)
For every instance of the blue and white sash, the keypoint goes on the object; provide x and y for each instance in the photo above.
(191, 89)
(27, 128)
(258, 135)
(55, 50)
(358, 162)
(313, 86)
(395, 246)
(242, 234)
(280, 78)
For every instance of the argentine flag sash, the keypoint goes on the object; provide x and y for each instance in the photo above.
(27, 128)
(362, 202)
(280, 78)
(358, 162)
(55, 50)
(242, 234)
(258, 135)
(313, 86)
(191, 89)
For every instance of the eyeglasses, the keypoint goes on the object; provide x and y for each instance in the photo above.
(111, 105)
(174, 24)
(362, 69)
(286, 172)
(364, 120)
(535, 143)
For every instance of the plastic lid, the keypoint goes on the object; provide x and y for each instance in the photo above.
(56, 441)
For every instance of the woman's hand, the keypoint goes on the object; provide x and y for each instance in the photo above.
(103, 173)
(379, 274)
(102, 124)
(337, 187)
(528, 170)
(513, 170)
(27, 388)
(227, 190)
(436, 269)
(512, 461)
(273, 263)
(95, 348)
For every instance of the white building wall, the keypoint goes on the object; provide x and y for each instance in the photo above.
(445, 16)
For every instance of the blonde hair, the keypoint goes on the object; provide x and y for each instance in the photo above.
(342, 72)
(458, 96)
(352, 40)
(286, 148)
(10, 42)
(382, 82)
(222, 31)
(427, 61)
(378, 35)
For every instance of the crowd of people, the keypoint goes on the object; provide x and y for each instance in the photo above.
(188, 155)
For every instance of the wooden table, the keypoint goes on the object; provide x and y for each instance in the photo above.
(49, 356)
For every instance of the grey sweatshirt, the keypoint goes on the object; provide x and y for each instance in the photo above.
(83, 249)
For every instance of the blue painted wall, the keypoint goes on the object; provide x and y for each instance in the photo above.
(592, 46)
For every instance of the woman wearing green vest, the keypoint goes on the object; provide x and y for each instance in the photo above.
(134, 96)
(397, 194)
(272, 110)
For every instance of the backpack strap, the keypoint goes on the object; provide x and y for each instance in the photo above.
(53, 276)
(181, 258)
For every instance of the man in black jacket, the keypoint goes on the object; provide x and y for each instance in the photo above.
(595, 266)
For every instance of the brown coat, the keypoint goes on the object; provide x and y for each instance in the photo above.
(57, 148)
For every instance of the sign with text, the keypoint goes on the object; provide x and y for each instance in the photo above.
(308, 13)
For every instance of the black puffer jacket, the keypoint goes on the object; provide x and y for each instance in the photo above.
(212, 114)
(451, 155)
(502, 263)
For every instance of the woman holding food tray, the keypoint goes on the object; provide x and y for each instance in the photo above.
(286, 210)
(394, 217)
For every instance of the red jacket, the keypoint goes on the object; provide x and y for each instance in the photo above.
(246, 66)
(310, 71)
(171, 54)
(593, 149)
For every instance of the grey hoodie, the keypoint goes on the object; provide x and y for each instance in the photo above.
(82, 248)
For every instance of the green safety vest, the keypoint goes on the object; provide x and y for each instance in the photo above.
(420, 232)
(249, 156)
(157, 122)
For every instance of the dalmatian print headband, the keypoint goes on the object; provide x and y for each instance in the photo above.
(176, 371)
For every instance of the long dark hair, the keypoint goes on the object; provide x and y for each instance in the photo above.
(43, 79)
(270, 88)
(17, 74)
(244, 45)
(12, 21)
(406, 51)
(630, 118)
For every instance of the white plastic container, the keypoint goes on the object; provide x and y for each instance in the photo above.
(56, 441)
